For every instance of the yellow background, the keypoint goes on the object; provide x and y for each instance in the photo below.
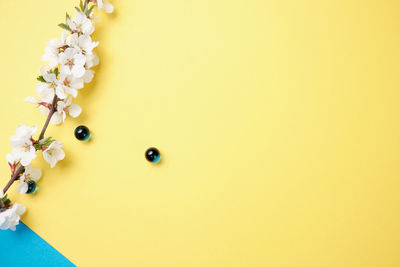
(278, 122)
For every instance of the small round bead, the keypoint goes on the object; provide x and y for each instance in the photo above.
(32, 187)
(82, 133)
(153, 155)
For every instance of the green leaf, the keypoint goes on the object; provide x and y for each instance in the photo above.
(81, 5)
(56, 71)
(67, 17)
(37, 146)
(41, 79)
(89, 11)
(5, 200)
(44, 141)
(64, 26)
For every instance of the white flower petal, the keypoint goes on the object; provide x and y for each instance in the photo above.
(46, 93)
(73, 92)
(12, 158)
(88, 76)
(56, 118)
(78, 71)
(64, 35)
(27, 157)
(77, 83)
(31, 99)
(109, 8)
(22, 138)
(19, 209)
(49, 77)
(22, 188)
(91, 60)
(79, 59)
(10, 217)
(74, 110)
(35, 174)
(60, 92)
(106, 5)
(60, 155)
(72, 40)
(45, 111)
(44, 69)
(54, 153)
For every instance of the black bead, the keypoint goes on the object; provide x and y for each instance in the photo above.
(31, 187)
(82, 133)
(152, 154)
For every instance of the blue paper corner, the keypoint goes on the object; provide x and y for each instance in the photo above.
(24, 248)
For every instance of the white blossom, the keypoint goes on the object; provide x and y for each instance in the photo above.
(23, 132)
(109, 8)
(70, 84)
(63, 108)
(54, 153)
(51, 86)
(53, 49)
(22, 144)
(82, 42)
(9, 218)
(80, 24)
(29, 174)
(72, 62)
(45, 91)
(43, 105)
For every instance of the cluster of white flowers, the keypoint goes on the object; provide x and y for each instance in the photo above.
(9, 217)
(25, 147)
(70, 59)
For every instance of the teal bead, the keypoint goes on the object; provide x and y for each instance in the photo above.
(32, 187)
(153, 155)
(82, 133)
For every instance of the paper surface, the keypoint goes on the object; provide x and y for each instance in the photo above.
(278, 123)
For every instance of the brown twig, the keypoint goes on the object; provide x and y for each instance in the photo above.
(51, 112)
(14, 177)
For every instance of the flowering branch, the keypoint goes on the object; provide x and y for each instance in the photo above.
(70, 60)
(20, 169)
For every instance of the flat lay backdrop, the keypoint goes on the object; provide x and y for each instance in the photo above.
(278, 122)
